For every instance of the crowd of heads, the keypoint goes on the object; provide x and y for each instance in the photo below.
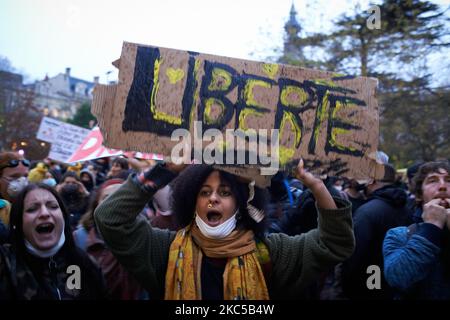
(80, 185)
(59, 198)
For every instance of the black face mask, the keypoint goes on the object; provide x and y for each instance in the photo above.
(89, 185)
(70, 192)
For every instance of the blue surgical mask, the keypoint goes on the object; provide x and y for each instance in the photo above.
(50, 182)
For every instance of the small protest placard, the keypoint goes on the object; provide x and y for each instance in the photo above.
(66, 140)
(48, 129)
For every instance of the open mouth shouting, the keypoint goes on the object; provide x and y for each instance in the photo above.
(43, 220)
(45, 228)
(214, 217)
(45, 235)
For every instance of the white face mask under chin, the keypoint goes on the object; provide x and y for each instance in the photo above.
(49, 252)
(219, 232)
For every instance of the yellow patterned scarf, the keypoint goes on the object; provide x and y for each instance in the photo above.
(243, 277)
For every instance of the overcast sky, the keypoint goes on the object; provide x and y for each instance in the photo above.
(42, 37)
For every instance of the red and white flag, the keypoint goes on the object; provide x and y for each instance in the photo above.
(92, 148)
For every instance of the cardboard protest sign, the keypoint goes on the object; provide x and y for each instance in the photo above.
(66, 140)
(329, 120)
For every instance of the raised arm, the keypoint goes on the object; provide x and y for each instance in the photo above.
(321, 194)
(300, 260)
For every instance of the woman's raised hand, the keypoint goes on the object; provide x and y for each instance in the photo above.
(307, 178)
(317, 187)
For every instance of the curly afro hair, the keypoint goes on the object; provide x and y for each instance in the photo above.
(188, 184)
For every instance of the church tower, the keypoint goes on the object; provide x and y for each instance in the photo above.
(291, 50)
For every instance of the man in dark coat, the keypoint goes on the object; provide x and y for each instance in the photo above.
(386, 207)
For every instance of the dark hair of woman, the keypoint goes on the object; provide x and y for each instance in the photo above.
(188, 184)
(72, 254)
(17, 235)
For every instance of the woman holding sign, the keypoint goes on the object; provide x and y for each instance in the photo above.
(221, 251)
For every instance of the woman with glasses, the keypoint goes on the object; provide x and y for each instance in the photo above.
(13, 174)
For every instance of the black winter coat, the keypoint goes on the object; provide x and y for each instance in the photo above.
(386, 208)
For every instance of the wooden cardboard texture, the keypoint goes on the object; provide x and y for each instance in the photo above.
(329, 120)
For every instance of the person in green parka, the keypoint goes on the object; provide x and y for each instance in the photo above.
(221, 251)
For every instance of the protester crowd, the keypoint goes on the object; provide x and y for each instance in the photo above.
(143, 230)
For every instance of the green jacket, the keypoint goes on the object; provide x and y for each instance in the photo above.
(296, 261)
